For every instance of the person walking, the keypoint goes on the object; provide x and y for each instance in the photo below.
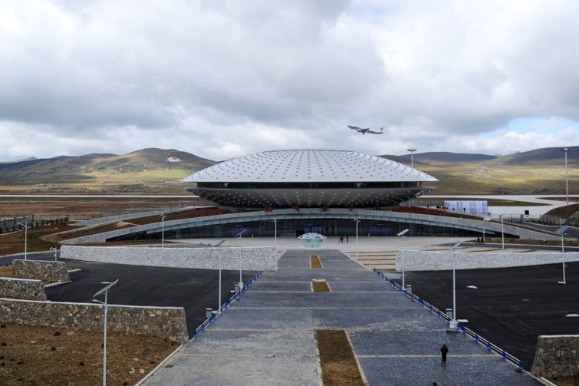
(444, 351)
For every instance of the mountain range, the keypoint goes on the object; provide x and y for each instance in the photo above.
(153, 170)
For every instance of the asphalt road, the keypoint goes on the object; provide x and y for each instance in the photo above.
(509, 306)
(193, 289)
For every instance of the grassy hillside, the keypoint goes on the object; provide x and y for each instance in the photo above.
(143, 171)
(540, 171)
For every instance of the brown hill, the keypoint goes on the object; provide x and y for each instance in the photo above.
(155, 170)
(147, 170)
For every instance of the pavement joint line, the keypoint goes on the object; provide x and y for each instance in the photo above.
(425, 356)
(259, 330)
(241, 355)
(239, 306)
(309, 291)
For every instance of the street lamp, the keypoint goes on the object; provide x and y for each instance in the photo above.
(454, 321)
(566, 177)
(562, 231)
(411, 156)
(105, 290)
(357, 221)
(25, 225)
(163, 230)
(274, 232)
(486, 219)
(502, 231)
(55, 251)
(401, 234)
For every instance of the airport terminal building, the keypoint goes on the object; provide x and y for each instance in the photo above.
(292, 192)
(309, 179)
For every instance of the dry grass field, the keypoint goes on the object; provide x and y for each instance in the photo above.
(50, 356)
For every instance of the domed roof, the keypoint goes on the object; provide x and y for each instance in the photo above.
(309, 166)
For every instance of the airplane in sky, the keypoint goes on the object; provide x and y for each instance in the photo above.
(367, 130)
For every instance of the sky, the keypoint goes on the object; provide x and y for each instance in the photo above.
(222, 79)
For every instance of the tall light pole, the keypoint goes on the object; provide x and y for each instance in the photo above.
(357, 222)
(502, 231)
(485, 220)
(562, 231)
(25, 225)
(411, 150)
(401, 234)
(453, 247)
(275, 232)
(55, 249)
(163, 230)
(566, 177)
(105, 290)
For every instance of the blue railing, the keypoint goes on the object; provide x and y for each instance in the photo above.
(465, 331)
(215, 314)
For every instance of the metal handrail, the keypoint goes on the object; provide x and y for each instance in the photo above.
(466, 331)
(214, 315)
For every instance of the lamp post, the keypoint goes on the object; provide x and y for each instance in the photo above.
(502, 232)
(453, 247)
(485, 220)
(163, 230)
(401, 234)
(55, 251)
(25, 225)
(566, 177)
(275, 232)
(357, 222)
(562, 231)
(105, 290)
(411, 150)
(564, 281)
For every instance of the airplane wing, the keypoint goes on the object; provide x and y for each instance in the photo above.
(359, 129)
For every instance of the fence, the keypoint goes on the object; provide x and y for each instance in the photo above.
(465, 331)
(16, 223)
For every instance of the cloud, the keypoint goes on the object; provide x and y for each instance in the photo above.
(227, 78)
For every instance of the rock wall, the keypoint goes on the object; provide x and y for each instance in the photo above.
(229, 258)
(22, 289)
(54, 271)
(556, 356)
(443, 260)
(164, 322)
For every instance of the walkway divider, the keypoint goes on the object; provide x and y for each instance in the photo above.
(214, 315)
(466, 331)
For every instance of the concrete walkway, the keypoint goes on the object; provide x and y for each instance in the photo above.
(268, 337)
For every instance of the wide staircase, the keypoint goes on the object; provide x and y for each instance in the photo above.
(383, 261)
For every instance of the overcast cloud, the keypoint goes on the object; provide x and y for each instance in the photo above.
(222, 79)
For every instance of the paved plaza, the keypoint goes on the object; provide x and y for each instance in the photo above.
(267, 338)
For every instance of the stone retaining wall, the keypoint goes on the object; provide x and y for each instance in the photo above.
(230, 258)
(164, 322)
(22, 289)
(54, 271)
(556, 356)
(438, 260)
